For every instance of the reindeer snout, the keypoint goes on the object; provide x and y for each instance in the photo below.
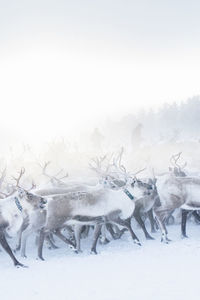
(148, 193)
(43, 201)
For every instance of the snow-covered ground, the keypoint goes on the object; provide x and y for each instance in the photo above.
(121, 271)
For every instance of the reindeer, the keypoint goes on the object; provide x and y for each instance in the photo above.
(76, 189)
(14, 210)
(97, 206)
(38, 220)
(12, 189)
(178, 171)
(175, 192)
(109, 203)
(144, 204)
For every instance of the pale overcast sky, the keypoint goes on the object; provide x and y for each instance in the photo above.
(65, 64)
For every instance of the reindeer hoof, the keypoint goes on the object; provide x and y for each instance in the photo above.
(184, 236)
(77, 251)
(137, 242)
(116, 236)
(93, 251)
(72, 248)
(19, 265)
(41, 258)
(164, 241)
(104, 242)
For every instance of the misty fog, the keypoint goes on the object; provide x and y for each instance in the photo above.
(149, 138)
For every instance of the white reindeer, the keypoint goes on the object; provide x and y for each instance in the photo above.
(108, 203)
(14, 211)
(175, 192)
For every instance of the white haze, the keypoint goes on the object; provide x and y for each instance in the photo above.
(68, 67)
(65, 67)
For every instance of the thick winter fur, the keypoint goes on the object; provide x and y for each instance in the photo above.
(144, 205)
(38, 219)
(98, 207)
(14, 211)
(176, 192)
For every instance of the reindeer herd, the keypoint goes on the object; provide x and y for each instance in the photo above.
(69, 210)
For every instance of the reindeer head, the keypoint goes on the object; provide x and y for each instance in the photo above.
(147, 188)
(33, 199)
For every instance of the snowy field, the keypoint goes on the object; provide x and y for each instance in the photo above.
(121, 270)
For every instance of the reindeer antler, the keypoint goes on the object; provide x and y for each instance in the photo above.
(33, 186)
(17, 179)
(118, 164)
(119, 160)
(174, 161)
(53, 177)
(96, 164)
(139, 171)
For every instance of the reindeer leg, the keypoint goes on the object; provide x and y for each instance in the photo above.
(41, 243)
(63, 238)
(23, 227)
(85, 231)
(184, 214)
(151, 219)
(70, 232)
(196, 215)
(77, 233)
(160, 218)
(170, 218)
(127, 224)
(103, 239)
(19, 240)
(97, 231)
(112, 232)
(50, 241)
(117, 233)
(141, 223)
(7, 248)
(25, 235)
(51, 237)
